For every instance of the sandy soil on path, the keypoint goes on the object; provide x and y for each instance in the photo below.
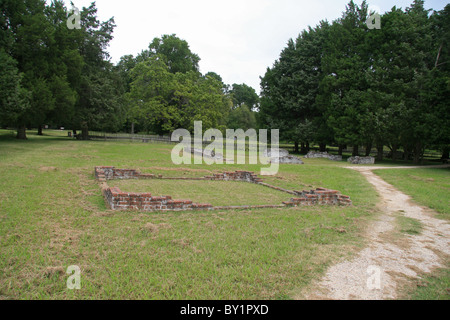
(377, 272)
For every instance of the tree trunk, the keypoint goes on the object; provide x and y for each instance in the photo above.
(40, 130)
(308, 147)
(303, 149)
(418, 153)
(22, 132)
(322, 147)
(341, 149)
(446, 153)
(394, 151)
(355, 151)
(132, 128)
(368, 149)
(406, 155)
(296, 150)
(380, 150)
(84, 131)
(74, 132)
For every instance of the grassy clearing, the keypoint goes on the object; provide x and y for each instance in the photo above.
(428, 187)
(217, 193)
(52, 216)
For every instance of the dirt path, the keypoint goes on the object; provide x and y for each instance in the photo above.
(377, 272)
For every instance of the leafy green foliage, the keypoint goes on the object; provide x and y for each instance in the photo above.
(14, 99)
(244, 94)
(66, 72)
(175, 53)
(344, 84)
(242, 118)
(290, 88)
(163, 101)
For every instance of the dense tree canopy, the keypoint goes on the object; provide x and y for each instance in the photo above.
(165, 90)
(14, 99)
(244, 94)
(61, 76)
(290, 88)
(345, 84)
(340, 83)
(162, 101)
(175, 53)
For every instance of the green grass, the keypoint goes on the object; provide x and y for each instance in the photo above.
(429, 187)
(217, 193)
(52, 216)
(409, 225)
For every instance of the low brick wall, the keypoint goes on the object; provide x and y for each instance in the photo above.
(244, 176)
(111, 173)
(320, 196)
(118, 200)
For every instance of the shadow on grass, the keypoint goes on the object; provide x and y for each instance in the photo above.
(7, 136)
(35, 140)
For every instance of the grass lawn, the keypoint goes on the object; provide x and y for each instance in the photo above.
(52, 216)
(217, 193)
(429, 187)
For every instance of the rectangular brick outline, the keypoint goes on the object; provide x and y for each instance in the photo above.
(115, 199)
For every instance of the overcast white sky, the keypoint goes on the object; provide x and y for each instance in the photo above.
(237, 39)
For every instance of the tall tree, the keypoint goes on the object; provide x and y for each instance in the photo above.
(29, 36)
(289, 89)
(175, 52)
(66, 72)
(14, 99)
(161, 101)
(350, 85)
(244, 94)
(241, 118)
(100, 105)
(343, 88)
(438, 90)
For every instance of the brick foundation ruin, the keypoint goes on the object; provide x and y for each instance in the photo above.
(320, 196)
(116, 199)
